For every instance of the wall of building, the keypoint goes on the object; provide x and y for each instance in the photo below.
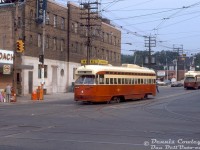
(61, 61)
(105, 39)
(56, 80)
(6, 40)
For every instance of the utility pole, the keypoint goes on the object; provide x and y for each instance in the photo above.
(150, 42)
(90, 17)
(43, 47)
(14, 84)
(41, 19)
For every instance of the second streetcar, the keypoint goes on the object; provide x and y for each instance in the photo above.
(192, 80)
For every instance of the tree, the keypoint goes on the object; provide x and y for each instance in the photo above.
(162, 57)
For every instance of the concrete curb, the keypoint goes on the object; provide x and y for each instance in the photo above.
(47, 98)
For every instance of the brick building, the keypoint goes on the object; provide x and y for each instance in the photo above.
(64, 45)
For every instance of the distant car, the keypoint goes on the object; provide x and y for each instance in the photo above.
(176, 84)
(160, 83)
(163, 83)
(167, 82)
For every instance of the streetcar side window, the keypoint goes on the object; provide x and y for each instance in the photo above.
(115, 80)
(126, 81)
(149, 81)
(111, 80)
(146, 81)
(97, 80)
(142, 81)
(122, 80)
(101, 79)
(119, 80)
(129, 81)
(107, 80)
(133, 80)
(136, 81)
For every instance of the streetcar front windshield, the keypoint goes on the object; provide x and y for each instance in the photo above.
(189, 79)
(85, 79)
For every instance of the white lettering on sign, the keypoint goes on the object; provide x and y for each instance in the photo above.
(6, 56)
(2, 1)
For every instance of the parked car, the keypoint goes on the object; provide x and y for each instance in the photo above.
(160, 83)
(167, 82)
(176, 84)
(163, 83)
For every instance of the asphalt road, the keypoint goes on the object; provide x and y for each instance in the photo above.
(171, 120)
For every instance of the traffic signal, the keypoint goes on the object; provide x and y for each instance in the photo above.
(41, 58)
(20, 46)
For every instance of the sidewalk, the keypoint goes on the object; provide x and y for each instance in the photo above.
(47, 98)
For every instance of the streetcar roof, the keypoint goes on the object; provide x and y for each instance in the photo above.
(192, 73)
(93, 69)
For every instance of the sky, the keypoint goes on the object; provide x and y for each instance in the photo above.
(173, 23)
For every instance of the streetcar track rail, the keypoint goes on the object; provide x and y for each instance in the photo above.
(166, 111)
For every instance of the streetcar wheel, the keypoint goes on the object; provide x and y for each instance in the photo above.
(108, 102)
(146, 96)
(117, 99)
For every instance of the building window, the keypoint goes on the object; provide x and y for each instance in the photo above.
(62, 45)
(81, 48)
(62, 23)
(102, 53)
(54, 21)
(76, 47)
(108, 38)
(19, 24)
(95, 51)
(115, 57)
(31, 13)
(103, 38)
(115, 40)
(54, 43)
(74, 69)
(47, 18)
(76, 27)
(47, 41)
(39, 40)
(62, 72)
(73, 27)
(39, 71)
(107, 55)
(31, 39)
(111, 38)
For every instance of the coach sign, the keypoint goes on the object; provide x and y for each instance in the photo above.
(6, 57)
(41, 8)
(7, 1)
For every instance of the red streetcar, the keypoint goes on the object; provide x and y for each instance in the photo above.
(104, 83)
(192, 80)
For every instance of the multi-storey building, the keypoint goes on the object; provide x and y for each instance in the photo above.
(64, 45)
